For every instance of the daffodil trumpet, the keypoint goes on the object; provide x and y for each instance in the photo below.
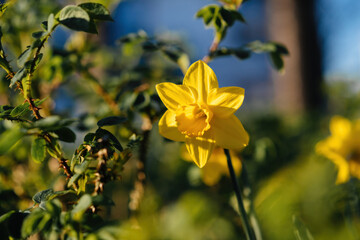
(201, 114)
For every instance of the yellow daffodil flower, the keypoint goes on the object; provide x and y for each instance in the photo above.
(216, 167)
(201, 114)
(343, 147)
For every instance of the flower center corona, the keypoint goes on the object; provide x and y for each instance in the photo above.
(193, 120)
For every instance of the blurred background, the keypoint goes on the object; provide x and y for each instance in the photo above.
(293, 188)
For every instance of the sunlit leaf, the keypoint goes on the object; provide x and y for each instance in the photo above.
(108, 136)
(43, 195)
(75, 18)
(9, 138)
(96, 11)
(38, 149)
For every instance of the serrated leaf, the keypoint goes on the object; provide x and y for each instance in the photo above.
(20, 110)
(9, 138)
(109, 121)
(96, 11)
(43, 196)
(106, 135)
(38, 149)
(65, 134)
(76, 18)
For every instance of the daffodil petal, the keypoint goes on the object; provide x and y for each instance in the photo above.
(173, 95)
(202, 78)
(340, 127)
(211, 173)
(168, 127)
(343, 173)
(200, 148)
(225, 101)
(229, 133)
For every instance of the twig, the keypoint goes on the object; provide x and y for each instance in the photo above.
(101, 91)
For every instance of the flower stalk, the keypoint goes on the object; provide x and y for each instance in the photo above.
(243, 215)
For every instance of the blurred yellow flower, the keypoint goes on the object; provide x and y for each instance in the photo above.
(343, 147)
(216, 166)
(201, 114)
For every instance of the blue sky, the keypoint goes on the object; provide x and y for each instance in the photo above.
(339, 29)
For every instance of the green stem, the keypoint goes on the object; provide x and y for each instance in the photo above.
(243, 215)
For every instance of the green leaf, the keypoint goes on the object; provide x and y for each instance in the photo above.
(102, 200)
(96, 11)
(31, 223)
(134, 37)
(52, 123)
(39, 34)
(89, 137)
(65, 134)
(73, 179)
(19, 75)
(238, 16)
(24, 57)
(75, 18)
(277, 61)
(9, 138)
(84, 203)
(150, 46)
(38, 60)
(20, 110)
(43, 196)
(106, 135)
(109, 121)
(38, 149)
(81, 168)
(50, 22)
(6, 216)
(227, 15)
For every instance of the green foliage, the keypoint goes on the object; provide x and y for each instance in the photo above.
(220, 18)
(38, 149)
(276, 52)
(9, 138)
(171, 50)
